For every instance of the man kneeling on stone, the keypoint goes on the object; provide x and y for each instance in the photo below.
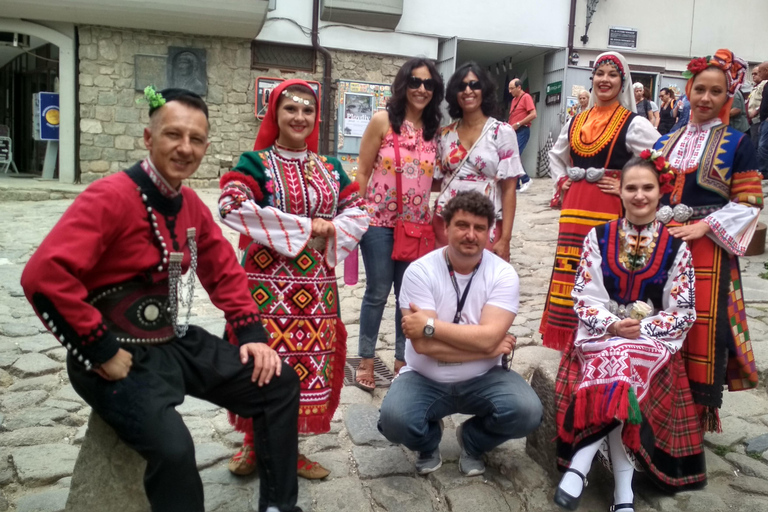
(107, 281)
(462, 299)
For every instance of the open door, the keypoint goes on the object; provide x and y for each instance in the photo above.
(446, 65)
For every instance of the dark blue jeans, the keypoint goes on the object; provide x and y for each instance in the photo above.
(381, 271)
(762, 150)
(523, 134)
(504, 405)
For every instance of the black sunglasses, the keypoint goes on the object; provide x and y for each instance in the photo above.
(415, 83)
(474, 85)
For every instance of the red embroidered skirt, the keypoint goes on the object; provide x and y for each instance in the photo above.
(584, 207)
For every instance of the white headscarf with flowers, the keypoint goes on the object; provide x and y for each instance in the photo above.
(626, 95)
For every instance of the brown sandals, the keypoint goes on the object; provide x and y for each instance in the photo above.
(364, 378)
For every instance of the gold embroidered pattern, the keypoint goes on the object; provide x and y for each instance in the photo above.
(615, 124)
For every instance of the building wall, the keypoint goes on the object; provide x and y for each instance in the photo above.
(688, 29)
(112, 123)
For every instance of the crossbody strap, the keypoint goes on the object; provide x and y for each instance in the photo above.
(464, 160)
(398, 174)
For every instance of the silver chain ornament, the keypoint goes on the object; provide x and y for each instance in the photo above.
(177, 286)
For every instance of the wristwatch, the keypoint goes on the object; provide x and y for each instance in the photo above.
(429, 329)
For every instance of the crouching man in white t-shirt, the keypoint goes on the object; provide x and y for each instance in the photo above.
(462, 299)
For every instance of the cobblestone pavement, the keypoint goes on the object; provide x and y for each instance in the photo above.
(43, 420)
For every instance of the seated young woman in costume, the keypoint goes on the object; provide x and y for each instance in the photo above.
(622, 387)
(298, 216)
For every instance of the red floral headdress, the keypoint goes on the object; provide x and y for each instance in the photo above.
(666, 175)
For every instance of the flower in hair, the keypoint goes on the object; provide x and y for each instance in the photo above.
(697, 65)
(666, 175)
(154, 98)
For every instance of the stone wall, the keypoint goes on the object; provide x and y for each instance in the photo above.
(112, 123)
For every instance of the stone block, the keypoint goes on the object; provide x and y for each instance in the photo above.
(751, 485)
(22, 400)
(103, 81)
(125, 142)
(127, 115)
(511, 461)
(90, 126)
(90, 153)
(18, 330)
(98, 166)
(478, 496)
(106, 472)
(107, 50)
(402, 494)
(114, 155)
(88, 95)
(540, 445)
(748, 465)
(361, 421)
(717, 466)
(757, 445)
(50, 500)
(34, 365)
(104, 141)
(735, 430)
(43, 464)
(379, 462)
(236, 97)
(107, 98)
(341, 495)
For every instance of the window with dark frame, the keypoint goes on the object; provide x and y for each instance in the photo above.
(282, 56)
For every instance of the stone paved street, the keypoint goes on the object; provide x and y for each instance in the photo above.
(43, 421)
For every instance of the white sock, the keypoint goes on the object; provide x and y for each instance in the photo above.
(623, 470)
(581, 462)
(273, 509)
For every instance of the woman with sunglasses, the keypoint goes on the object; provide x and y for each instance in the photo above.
(411, 122)
(478, 152)
(298, 216)
(585, 163)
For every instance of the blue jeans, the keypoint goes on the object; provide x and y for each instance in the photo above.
(762, 150)
(380, 272)
(504, 405)
(523, 134)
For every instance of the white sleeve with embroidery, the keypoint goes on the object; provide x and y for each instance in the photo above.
(641, 135)
(351, 224)
(285, 233)
(590, 297)
(678, 310)
(733, 226)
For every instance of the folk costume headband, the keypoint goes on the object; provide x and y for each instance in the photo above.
(626, 96)
(734, 68)
(662, 166)
(269, 131)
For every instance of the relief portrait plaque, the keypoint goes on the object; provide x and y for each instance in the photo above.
(187, 69)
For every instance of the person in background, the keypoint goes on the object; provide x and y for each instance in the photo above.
(759, 76)
(683, 113)
(583, 101)
(585, 163)
(625, 372)
(522, 112)
(412, 121)
(298, 216)
(738, 113)
(667, 110)
(654, 107)
(714, 208)
(478, 152)
(644, 108)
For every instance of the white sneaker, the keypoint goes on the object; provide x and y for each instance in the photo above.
(525, 186)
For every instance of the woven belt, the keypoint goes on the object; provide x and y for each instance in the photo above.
(135, 312)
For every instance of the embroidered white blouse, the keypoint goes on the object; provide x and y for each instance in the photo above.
(668, 323)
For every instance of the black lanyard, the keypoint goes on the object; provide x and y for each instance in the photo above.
(460, 301)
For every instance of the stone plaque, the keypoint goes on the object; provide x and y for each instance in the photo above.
(187, 69)
(150, 70)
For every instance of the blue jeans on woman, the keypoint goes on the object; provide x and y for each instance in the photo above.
(503, 404)
(380, 272)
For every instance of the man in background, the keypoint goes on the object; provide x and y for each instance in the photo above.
(521, 112)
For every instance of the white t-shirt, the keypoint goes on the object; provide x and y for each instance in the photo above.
(428, 284)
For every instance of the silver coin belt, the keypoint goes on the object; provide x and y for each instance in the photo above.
(625, 310)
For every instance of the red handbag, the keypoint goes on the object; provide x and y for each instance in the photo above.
(412, 239)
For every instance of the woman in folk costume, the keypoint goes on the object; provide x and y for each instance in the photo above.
(622, 388)
(585, 162)
(298, 216)
(714, 207)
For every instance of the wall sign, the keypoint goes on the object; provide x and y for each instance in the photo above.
(554, 88)
(45, 123)
(264, 86)
(622, 37)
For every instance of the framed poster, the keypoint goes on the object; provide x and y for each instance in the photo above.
(264, 86)
(358, 110)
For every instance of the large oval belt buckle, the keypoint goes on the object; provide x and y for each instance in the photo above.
(665, 214)
(682, 212)
(594, 175)
(576, 173)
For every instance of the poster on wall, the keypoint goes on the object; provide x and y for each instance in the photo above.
(264, 86)
(45, 123)
(571, 106)
(358, 110)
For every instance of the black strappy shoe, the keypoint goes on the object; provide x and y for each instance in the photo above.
(628, 507)
(565, 500)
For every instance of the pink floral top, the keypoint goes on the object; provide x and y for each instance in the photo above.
(494, 158)
(418, 162)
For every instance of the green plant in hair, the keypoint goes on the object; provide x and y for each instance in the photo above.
(154, 98)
